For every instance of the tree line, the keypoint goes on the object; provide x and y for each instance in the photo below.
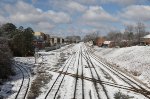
(13, 42)
(132, 35)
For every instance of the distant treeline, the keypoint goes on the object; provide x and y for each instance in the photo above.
(132, 34)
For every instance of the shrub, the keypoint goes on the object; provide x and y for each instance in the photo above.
(41, 80)
(136, 73)
(120, 95)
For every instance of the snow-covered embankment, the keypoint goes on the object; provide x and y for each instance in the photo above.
(134, 59)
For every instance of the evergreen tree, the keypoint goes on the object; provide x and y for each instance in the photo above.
(5, 59)
(20, 40)
(8, 30)
(27, 38)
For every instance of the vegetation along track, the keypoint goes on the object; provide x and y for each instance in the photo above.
(25, 73)
(69, 61)
(135, 87)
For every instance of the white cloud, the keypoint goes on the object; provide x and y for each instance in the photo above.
(23, 13)
(124, 2)
(20, 6)
(97, 18)
(58, 17)
(87, 1)
(44, 26)
(70, 6)
(136, 13)
(2, 19)
(74, 6)
(34, 1)
(87, 15)
(96, 13)
(102, 27)
(98, 2)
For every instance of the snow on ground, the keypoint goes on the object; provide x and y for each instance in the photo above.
(133, 59)
(67, 87)
(10, 88)
(47, 61)
(52, 62)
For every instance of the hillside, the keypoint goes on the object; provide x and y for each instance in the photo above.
(135, 60)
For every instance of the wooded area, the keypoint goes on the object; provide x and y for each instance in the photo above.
(13, 42)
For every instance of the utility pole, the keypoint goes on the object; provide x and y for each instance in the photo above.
(36, 54)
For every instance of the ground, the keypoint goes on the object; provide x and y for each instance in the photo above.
(78, 71)
(134, 59)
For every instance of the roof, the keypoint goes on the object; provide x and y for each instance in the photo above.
(107, 42)
(38, 33)
(147, 36)
(55, 37)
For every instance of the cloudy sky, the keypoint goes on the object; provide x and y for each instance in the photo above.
(75, 17)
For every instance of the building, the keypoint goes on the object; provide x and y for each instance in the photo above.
(109, 44)
(100, 41)
(145, 40)
(47, 40)
(39, 40)
(54, 40)
(42, 40)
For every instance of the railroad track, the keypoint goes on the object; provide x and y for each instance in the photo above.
(92, 75)
(100, 81)
(25, 74)
(97, 81)
(137, 88)
(94, 71)
(79, 83)
(80, 75)
(76, 80)
(59, 79)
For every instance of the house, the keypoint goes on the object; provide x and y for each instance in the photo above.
(109, 44)
(100, 41)
(42, 40)
(39, 40)
(145, 40)
(54, 40)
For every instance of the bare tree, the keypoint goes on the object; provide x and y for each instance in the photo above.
(73, 39)
(115, 36)
(129, 28)
(140, 31)
(91, 37)
(129, 32)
